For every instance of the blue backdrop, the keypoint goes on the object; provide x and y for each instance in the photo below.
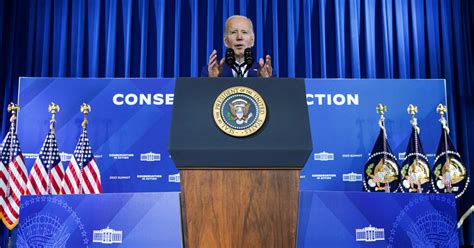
(130, 121)
(341, 219)
(313, 39)
(344, 126)
(69, 221)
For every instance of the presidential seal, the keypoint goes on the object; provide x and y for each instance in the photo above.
(239, 111)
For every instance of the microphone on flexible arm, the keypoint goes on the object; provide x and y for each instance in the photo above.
(230, 61)
(249, 59)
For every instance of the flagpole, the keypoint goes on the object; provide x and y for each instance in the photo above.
(53, 109)
(441, 109)
(13, 109)
(381, 110)
(412, 110)
(85, 109)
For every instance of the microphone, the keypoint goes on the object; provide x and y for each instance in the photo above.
(248, 56)
(230, 61)
(230, 57)
(248, 59)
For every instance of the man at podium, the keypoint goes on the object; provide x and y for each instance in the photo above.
(239, 61)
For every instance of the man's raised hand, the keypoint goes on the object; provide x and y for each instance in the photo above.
(265, 69)
(213, 68)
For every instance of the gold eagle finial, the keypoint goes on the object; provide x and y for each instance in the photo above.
(13, 108)
(53, 108)
(85, 109)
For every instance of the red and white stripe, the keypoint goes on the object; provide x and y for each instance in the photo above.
(17, 185)
(40, 183)
(38, 180)
(86, 181)
(91, 178)
(72, 178)
(3, 187)
(56, 176)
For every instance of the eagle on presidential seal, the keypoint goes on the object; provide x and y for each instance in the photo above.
(240, 111)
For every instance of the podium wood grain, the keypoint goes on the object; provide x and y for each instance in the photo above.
(239, 207)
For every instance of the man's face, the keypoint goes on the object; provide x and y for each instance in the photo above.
(239, 37)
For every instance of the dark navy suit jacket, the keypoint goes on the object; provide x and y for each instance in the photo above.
(227, 71)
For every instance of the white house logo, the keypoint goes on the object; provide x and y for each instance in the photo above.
(150, 157)
(175, 178)
(370, 234)
(401, 156)
(65, 156)
(352, 177)
(107, 236)
(323, 156)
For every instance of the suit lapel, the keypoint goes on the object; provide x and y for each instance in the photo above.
(227, 72)
(253, 72)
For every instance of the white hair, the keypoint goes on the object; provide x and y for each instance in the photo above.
(226, 31)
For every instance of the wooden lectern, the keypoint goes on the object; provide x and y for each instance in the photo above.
(240, 191)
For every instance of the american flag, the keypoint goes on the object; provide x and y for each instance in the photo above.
(4, 153)
(14, 178)
(82, 174)
(47, 172)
